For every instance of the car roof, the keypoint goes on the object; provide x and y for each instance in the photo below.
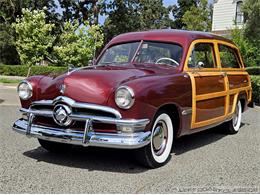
(169, 35)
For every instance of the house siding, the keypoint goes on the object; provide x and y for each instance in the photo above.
(224, 13)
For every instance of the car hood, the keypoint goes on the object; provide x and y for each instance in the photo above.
(93, 84)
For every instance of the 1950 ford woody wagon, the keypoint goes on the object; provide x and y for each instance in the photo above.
(144, 90)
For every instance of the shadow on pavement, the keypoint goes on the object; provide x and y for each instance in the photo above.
(115, 160)
(197, 140)
(91, 158)
(200, 139)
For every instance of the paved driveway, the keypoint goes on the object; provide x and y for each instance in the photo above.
(205, 162)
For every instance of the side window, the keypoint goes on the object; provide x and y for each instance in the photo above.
(228, 57)
(159, 53)
(202, 56)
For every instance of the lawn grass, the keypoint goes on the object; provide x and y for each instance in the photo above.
(9, 81)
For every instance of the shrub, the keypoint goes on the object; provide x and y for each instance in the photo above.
(33, 36)
(255, 81)
(253, 70)
(20, 70)
(77, 48)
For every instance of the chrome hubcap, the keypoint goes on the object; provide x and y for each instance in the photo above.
(159, 139)
(235, 116)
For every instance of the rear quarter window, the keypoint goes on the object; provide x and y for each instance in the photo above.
(229, 57)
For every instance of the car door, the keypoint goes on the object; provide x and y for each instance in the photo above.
(238, 78)
(209, 84)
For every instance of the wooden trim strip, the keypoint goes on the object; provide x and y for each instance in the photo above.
(211, 95)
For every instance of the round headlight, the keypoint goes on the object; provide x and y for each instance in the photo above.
(25, 90)
(124, 97)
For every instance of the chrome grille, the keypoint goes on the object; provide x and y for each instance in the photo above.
(83, 113)
(45, 108)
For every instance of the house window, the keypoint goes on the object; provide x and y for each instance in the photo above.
(239, 13)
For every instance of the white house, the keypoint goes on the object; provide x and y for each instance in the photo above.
(226, 15)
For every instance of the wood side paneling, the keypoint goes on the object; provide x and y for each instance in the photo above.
(209, 84)
(211, 108)
(237, 81)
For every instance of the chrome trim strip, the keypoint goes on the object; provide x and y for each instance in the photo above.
(187, 111)
(97, 107)
(42, 103)
(127, 122)
(37, 112)
(117, 140)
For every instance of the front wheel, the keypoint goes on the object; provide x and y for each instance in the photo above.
(232, 126)
(157, 153)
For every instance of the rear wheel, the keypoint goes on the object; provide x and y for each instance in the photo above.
(233, 126)
(54, 146)
(157, 153)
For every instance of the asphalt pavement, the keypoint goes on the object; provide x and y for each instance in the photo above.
(209, 161)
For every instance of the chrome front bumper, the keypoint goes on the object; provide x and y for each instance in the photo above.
(130, 132)
(110, 140)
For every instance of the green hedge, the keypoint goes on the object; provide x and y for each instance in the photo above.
(255, 81)
(20, 70)
(253, 70)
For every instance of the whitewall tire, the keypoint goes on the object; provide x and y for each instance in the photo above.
(158, 152)
(233, 126)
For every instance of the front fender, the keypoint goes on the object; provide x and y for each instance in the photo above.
(153, 92)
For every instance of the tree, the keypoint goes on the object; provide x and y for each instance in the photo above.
(248, 37)
(251, 10)
(179, 10)
(9, 11)
(248, 50)
(122, 17)
(8, 53)
(82, 10)
(153, 15)
(34, 36)
(198, 17)
(78, 43)
(135, 15)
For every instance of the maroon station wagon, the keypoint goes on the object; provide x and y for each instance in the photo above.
(144, 90)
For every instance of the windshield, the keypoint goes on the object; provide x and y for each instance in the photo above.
(121, 53)
(149, 53)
